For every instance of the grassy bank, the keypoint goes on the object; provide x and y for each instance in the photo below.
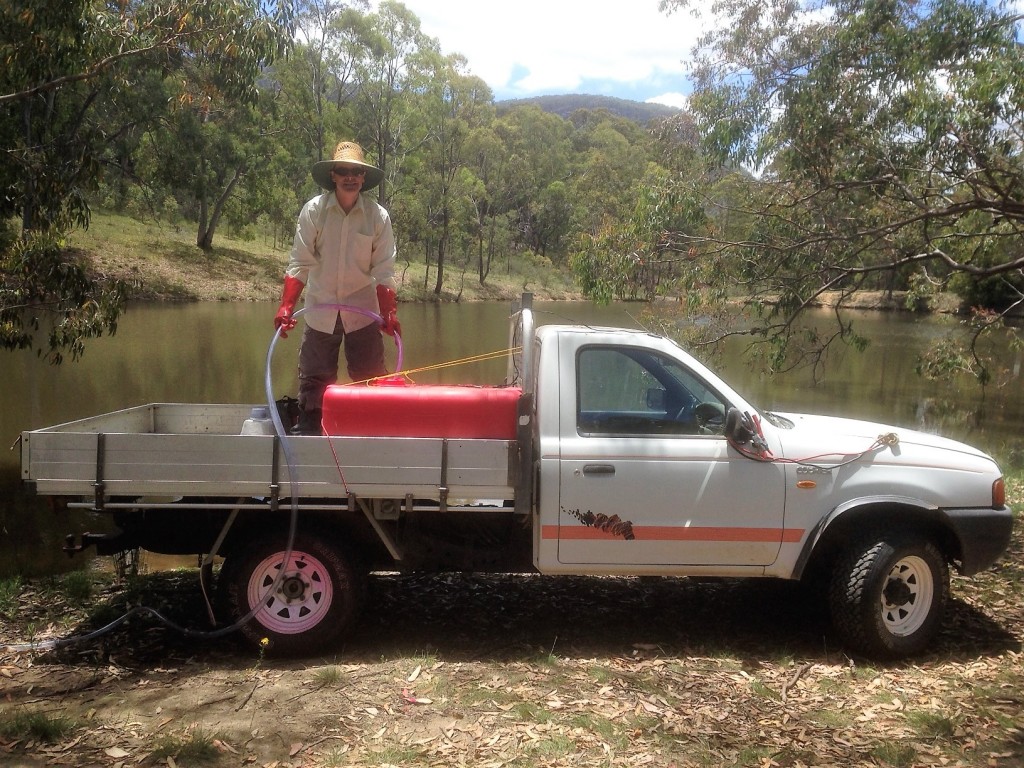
(163, 262)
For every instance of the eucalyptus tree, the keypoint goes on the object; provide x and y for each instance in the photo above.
(209, 148)
(539, 155)
(486, 157)
(633, 257)
(385, 73)
(886, 137)
(220, 126)
(453, 104)
(319, 79)
(654, 194)
(62, 61)
(610, 161)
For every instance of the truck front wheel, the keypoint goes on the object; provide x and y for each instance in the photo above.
(315, 599)
(888, 596)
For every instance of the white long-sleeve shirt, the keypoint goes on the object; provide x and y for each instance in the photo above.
(342, 258)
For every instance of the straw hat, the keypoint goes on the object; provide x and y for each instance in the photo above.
(350, 153)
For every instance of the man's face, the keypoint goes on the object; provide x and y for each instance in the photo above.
(348, 178)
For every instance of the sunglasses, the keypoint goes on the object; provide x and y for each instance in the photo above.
(342, 170)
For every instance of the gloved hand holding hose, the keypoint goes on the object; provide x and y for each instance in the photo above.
(388, 302)
(289, 297)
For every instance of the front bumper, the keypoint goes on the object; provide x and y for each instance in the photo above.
(984, 535)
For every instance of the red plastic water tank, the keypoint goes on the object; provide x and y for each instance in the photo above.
(421, 410)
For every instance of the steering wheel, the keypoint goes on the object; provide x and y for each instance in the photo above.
(684, 413)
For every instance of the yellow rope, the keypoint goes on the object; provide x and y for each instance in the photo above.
(451, 364)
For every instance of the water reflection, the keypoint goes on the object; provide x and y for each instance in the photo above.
(217, 352)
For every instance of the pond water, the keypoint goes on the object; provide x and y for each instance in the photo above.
(217, 352)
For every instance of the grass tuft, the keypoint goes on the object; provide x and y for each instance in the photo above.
(196, 746)
(932, 726)
(35, 726)
(895, 754)
(9, 591)
(328, 677)
(77, 585)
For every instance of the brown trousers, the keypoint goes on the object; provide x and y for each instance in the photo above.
(318, 360)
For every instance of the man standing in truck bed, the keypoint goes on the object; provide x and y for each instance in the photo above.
(344, 251)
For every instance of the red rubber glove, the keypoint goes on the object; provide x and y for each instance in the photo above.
(289, 296)
(388, 302)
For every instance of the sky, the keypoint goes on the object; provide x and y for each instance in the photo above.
(523, 48)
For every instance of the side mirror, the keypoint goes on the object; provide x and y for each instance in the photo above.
(738, 427)
(656, 399)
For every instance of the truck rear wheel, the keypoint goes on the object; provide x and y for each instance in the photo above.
(314, 602)
(888, 596)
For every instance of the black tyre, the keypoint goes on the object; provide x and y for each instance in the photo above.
(314, 603)
(888, 596)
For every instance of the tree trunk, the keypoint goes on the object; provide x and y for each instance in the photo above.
(28, 210)
(204, 207)
(201, 233)
(441, 247)
(490, 248)
(206, 239)
(481, 276)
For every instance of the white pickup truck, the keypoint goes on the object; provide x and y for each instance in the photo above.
(606, 452)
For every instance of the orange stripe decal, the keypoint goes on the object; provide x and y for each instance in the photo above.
(678, 533)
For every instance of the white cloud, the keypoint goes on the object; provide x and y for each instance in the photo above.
(672, 99)
(533, 47)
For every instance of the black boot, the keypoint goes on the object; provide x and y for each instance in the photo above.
(308, 423)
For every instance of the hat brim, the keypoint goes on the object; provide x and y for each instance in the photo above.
(322, 173)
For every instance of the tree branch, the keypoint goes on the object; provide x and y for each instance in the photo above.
(94, 71)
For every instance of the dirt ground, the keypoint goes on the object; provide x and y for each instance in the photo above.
(456, 670)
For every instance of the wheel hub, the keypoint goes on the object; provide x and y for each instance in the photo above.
(907, 599)
(293, 588)
(897, 592)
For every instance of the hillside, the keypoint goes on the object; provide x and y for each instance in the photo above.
(565, 104)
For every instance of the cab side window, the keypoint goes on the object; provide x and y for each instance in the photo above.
(633, 391)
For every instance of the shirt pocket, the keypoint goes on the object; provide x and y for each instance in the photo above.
(362, 252)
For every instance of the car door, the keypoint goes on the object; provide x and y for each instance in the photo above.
(646, 476)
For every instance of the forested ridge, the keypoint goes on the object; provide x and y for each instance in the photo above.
(835, 148)
(565, 104)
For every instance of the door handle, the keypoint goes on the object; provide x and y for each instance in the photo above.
(598, 469)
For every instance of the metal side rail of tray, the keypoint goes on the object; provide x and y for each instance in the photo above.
(162, 452)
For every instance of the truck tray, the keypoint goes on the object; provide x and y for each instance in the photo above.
(174, 449)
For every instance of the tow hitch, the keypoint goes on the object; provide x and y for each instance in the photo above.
(106, 544)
